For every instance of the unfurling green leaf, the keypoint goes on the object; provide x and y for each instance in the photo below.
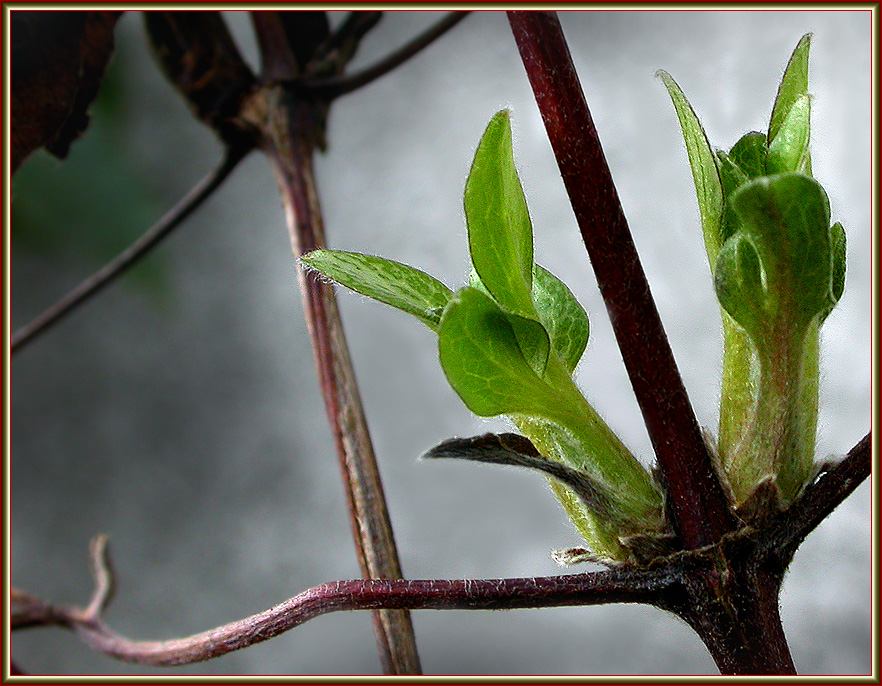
(787, 216)
(733, 176)
(392, 283)
(749, 153)
(533, 340)
(778, 272)
(739, 285)
(500, 233)
(784, 227)
(531, 335)
(508, 344)
(837, 237)
(789, 150)
(559, 325)
(484, 363)
(704, 168)
(794, 85)
(482, 358)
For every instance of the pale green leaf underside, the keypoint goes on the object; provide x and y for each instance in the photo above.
(789, 150)
(403, 287)
(562, 316)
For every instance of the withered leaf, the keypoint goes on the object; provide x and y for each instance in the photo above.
(58, 60)
(517, 451)
(198, 55)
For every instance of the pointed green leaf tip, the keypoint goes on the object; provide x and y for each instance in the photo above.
(405, 288)
(500, 233)
(779, 268)
(705, 173)
(794, 84)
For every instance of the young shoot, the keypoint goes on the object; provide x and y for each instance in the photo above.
(508, 343)
(779, 269)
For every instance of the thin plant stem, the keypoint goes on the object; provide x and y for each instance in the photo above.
(337, 86)
(277, 59)
(286, 140)
(131, 255)
(343, 43)
(291, 130)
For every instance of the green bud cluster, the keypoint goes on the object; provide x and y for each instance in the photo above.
(779, 269)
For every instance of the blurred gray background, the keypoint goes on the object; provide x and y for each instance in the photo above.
(180, 414)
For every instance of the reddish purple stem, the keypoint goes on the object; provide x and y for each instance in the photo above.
(429, 594)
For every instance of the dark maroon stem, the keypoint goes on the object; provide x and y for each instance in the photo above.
(697, 503)
(732, 604)
(277, 59)
(790, 528)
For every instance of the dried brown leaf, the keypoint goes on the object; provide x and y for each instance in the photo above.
(58, 60)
